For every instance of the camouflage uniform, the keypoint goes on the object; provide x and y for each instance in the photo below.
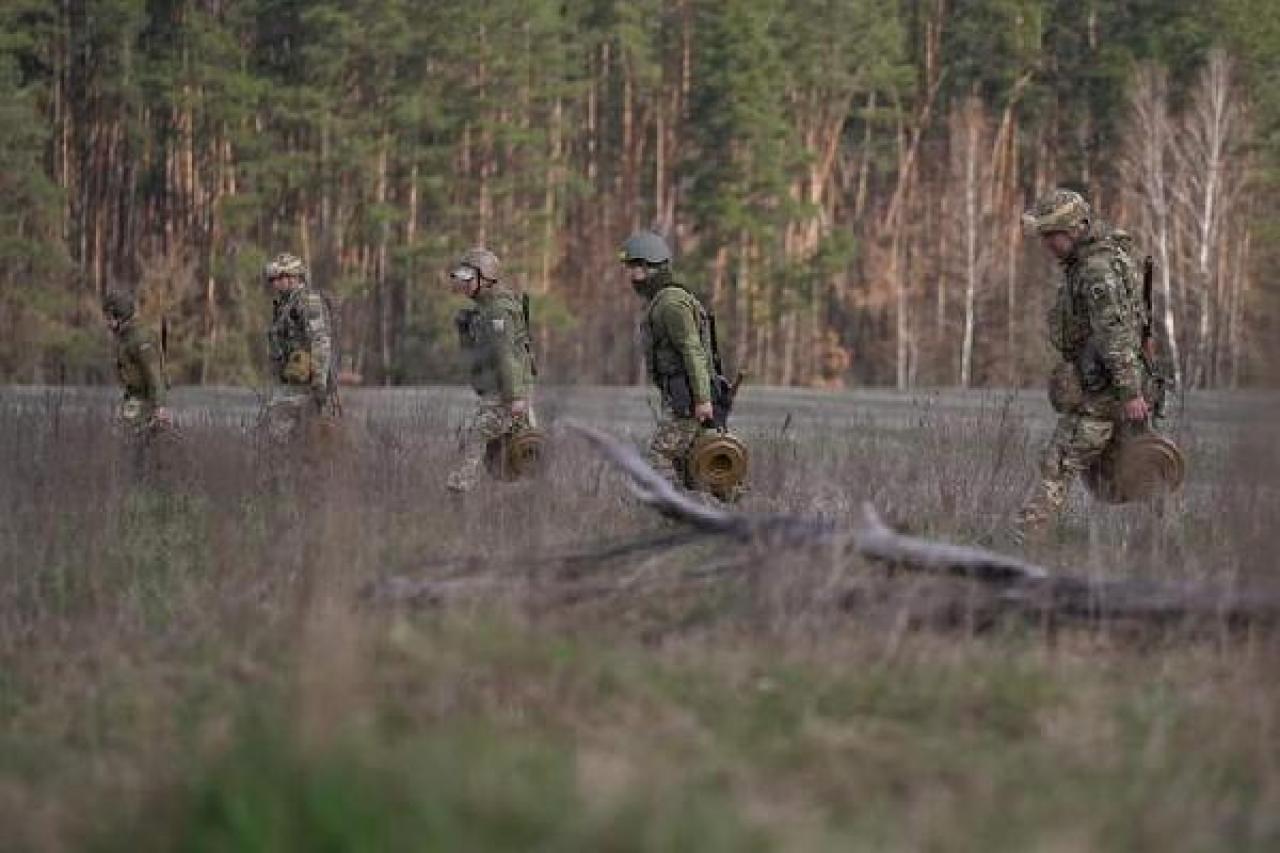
(300, 340)
(139, 364)
(496, 343)
(676, 342)
(1096, 325)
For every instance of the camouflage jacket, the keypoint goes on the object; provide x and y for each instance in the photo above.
(675, 336)
(1097, 319)
(496, 344)
(140, 364)
(301, 338)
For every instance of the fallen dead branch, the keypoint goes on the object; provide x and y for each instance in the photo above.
(1020, 584)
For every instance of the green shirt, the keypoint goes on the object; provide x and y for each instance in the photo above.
(495, 340)
(140, 364)
(676, 338)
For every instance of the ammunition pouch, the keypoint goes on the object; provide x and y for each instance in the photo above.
(297, 369)
(465, 321)
(1066, 389)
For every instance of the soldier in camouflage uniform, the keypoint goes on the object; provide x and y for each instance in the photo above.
(1096, 325)
(675, 337)
(494, 336)
(300, 340)
(139, 366)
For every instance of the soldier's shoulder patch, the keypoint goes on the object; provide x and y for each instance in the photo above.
(499, 324)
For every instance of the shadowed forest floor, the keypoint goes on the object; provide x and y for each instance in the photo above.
(190, 659)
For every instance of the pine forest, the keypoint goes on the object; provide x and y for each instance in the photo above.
(841, 179)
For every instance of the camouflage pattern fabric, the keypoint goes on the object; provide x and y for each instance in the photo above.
(1097, 318)
(492, 419)
(140, 369)
(1076, 442)
(669, 445)
(286, 413)
(675, 338)
(1060, 210)
(1096, 325)
(496, 344)
(301, 342)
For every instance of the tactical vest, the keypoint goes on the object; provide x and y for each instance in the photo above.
(289, 337)
(133, 345)
(663, 357)
(492, 332)
(1069, 326)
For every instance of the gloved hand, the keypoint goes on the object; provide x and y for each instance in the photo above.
(703, 412)
(1136, 409)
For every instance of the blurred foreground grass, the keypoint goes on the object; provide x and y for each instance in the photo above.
(187, 660)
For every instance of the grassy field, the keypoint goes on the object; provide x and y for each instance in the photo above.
(190, 657)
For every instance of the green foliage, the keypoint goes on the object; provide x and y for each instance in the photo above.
(176, 139)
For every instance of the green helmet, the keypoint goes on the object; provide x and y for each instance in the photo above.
(481, 260)
(118, 304)
(1060, 210)
(645, 246)
(285, 264)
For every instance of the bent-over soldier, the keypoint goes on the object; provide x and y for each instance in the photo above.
(495, 340)
(1095, 324)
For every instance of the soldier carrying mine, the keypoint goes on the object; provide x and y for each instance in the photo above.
(1096, 323)
(139, 366)
(495, 339)
(678, 339)
(300, 340)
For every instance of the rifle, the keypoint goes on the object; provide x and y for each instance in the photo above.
(723, 392)
(1160, 381)
(1148, 336)
(528, 330)
(164, 349)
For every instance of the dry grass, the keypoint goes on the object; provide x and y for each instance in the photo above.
(187, 661)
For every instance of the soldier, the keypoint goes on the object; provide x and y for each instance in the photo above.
(675, 335)
(301, 344)
(1096, 325)
(139, 365)
(494, 335)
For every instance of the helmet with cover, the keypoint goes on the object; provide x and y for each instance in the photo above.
(284, 264)
(477, 261)
(118, 305)
(645, 246)
(1060, 210)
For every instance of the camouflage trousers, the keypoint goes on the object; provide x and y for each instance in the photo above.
(1077, 441)
(135, 415)
(286, 413)
(669, 445)
(492, 420)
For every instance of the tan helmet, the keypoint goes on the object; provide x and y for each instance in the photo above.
(717, 463)
(481, 260)
(1136, 466)
(285, 263)
(1060, 210)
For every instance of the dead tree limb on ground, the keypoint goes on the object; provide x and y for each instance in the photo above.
(1020, 584)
